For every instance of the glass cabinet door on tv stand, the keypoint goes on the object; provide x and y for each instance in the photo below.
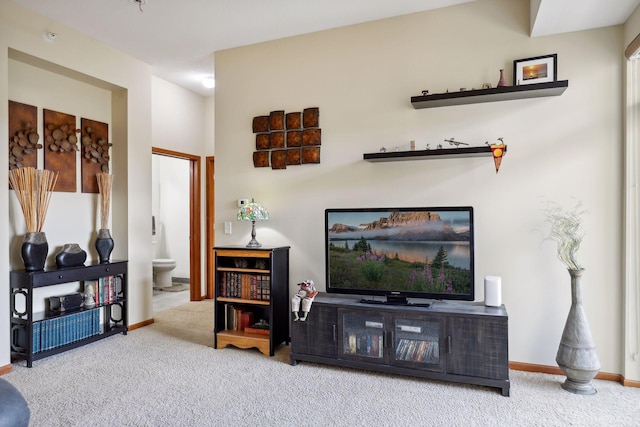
(362, 336)
(402, 340)
(416, 343)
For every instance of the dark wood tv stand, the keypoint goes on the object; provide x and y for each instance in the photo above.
(463, 342)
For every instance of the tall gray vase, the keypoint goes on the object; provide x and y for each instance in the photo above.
(577, 353)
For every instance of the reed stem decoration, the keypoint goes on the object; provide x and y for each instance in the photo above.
(104, 186)
(33, 189)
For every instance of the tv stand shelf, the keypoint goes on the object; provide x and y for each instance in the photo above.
(386, 302)
(463, 342)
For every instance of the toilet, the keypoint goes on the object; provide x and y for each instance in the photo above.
(162, 268)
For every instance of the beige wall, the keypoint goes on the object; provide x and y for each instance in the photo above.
(631, 349)
(361, 77)
(72, 217)
(632, 27)
(128, 83)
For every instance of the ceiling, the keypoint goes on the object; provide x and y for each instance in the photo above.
(178, 37)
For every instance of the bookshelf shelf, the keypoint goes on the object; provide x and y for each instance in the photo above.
(36, 335)
(243, 301)
(251, 292)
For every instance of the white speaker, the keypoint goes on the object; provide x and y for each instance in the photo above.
(493, 291)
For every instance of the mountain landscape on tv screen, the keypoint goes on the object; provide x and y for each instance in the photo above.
(405, 226)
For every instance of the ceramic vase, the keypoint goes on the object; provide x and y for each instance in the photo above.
(501, 81)
(34, 251)
(70, 256)
(104, 245)
(577, 353)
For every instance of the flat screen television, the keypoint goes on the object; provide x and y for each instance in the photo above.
(400, 253)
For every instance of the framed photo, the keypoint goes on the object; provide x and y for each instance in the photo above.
(540, 69)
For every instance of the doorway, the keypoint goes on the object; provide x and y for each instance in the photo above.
(194, 237)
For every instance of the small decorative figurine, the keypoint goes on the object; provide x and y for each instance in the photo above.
(425, 92)
(452, 141)
(303, 298)
(89, 296)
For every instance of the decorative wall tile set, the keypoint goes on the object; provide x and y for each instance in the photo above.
(287, 139)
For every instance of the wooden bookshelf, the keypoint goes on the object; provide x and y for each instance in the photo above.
(252, 283)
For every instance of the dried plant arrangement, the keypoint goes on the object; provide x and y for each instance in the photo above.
(566, 230)
(104, 187)
(33, 189)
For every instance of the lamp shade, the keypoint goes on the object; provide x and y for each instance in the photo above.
(253, 212)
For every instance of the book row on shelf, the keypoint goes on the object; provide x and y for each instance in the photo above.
(246, 286)
(370, 345)
(242, 319)
(417, 351)
(106, 289)
(63, 330)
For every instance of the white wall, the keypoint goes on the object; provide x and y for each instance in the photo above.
(178, 117)
(362, 77)
(182, 122)
(170, 207)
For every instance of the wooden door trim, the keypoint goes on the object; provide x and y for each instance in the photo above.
(194, 218)
(210, 223)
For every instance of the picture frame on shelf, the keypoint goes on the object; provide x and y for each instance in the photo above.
(539, 69)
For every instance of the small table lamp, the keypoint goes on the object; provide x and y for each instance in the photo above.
(253, 212)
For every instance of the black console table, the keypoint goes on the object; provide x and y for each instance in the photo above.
(452, 341)
(42, 334)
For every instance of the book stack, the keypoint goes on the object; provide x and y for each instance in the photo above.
(59, 331)
(261, 327)
(370, 345)
(106, 289)
(417, 351)
(245, 286)
(237, 319)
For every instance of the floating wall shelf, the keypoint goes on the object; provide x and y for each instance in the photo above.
(504, 93)
(441, 153)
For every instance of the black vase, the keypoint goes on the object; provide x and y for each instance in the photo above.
(34, 251)
(104, 244)
(70, 256)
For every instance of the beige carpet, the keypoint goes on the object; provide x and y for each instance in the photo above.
(168, 374)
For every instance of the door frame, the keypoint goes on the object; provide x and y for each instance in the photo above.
(194, 218)
(210, 210)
